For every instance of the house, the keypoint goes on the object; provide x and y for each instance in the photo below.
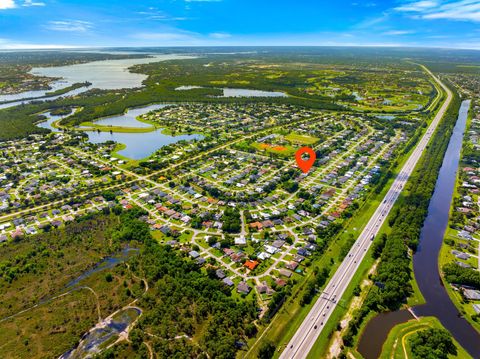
(471, 294)
(240, 241)
(17, 234)
(227, 281)
(256, 225)
(237, 257)
(476, 308)
(285, 272)
(270, 249)
(220, 274)
(460, 255)
(303, 252)
(243, 288)
(262, 288)
(278, 243)
(251, 264)
(292, 265)
(228, 251)
(194, 254)
(267, 224)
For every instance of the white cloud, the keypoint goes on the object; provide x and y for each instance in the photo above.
(219, 35)
(397, 32)
(28, 3)
(164, 36)
(7, 4)
(69, 25)
(417, 6)
(463, 10)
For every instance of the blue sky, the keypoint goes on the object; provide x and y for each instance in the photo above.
(85, 23)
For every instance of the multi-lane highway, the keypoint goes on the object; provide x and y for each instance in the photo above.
(313, 324)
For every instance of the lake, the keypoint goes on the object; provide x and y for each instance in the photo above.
(104, 75)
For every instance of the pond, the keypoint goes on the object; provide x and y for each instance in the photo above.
(129, 118)
(235, 92)
(103, 333)
(386, 117)
(139, 145)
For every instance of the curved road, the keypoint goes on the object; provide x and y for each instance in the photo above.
(313, 324)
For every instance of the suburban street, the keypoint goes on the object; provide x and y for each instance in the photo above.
(314, 323)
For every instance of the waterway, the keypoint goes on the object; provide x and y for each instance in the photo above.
(425, 263)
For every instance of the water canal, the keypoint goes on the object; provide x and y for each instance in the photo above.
(425, 263)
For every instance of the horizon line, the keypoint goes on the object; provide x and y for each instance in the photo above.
(75, 47)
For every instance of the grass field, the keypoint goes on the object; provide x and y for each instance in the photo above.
(284, 151)
(301, 139)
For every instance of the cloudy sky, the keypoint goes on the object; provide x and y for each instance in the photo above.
(85, 23)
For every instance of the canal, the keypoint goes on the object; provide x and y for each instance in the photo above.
(425, 263)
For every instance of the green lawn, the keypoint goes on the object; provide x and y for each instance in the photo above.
(301, 139)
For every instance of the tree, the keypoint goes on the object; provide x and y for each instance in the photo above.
(267, 350)
(432, 343)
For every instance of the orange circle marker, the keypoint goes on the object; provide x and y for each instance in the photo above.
(305, 165)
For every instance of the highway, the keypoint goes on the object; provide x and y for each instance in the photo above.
(313, 324)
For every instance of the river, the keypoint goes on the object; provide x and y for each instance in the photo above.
(425, 263)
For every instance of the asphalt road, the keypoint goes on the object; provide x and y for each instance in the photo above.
(313, 324)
